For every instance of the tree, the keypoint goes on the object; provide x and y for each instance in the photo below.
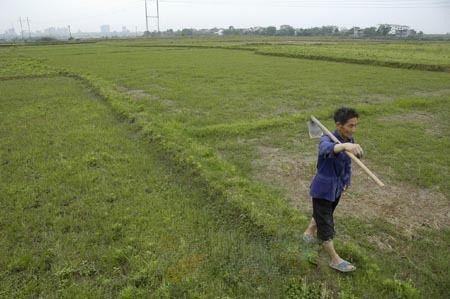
(412, 32)
(329, 30)
(187, 32)
(271, 30)
(370, 31)
(286, 30)
(384, 30)
(230, 31)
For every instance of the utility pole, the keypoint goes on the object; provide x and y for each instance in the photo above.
(157, 12)
(70, 33)
(21, 28)
(146, 18)
(155, 17)
(29, 31)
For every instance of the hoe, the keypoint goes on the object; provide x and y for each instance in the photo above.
(316, 130)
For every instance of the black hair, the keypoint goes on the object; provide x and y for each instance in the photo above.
(343, 114)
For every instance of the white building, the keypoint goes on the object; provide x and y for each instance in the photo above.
(105, 30)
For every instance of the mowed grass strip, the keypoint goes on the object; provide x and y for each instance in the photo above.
(89, 210)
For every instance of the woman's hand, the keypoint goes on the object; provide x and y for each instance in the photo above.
(353, 148)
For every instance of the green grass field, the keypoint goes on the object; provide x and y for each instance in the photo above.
(90, 210)
(180, 168)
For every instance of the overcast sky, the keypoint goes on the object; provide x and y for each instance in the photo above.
(430, 16)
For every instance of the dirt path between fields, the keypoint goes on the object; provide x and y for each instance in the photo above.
(406, 206)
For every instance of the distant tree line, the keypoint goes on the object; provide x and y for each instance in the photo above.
(287, 30)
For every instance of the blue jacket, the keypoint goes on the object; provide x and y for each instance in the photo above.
(333, 170)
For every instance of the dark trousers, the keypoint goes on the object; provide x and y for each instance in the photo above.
(323, 215)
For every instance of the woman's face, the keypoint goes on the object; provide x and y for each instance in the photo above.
(349, 128)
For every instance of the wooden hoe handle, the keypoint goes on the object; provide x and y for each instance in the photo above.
(351, 155)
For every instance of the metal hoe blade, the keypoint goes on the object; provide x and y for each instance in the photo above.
(314, 130)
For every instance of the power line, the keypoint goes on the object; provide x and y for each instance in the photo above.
(358, 2)
(323, 3)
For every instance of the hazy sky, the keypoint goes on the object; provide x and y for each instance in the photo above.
(430, 16)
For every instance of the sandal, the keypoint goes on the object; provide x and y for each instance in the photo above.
(343, 266)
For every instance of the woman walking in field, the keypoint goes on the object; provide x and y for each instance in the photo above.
(332, 178)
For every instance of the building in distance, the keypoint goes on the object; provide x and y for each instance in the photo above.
(105, 30)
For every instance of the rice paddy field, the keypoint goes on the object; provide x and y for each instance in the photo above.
(180, 168)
